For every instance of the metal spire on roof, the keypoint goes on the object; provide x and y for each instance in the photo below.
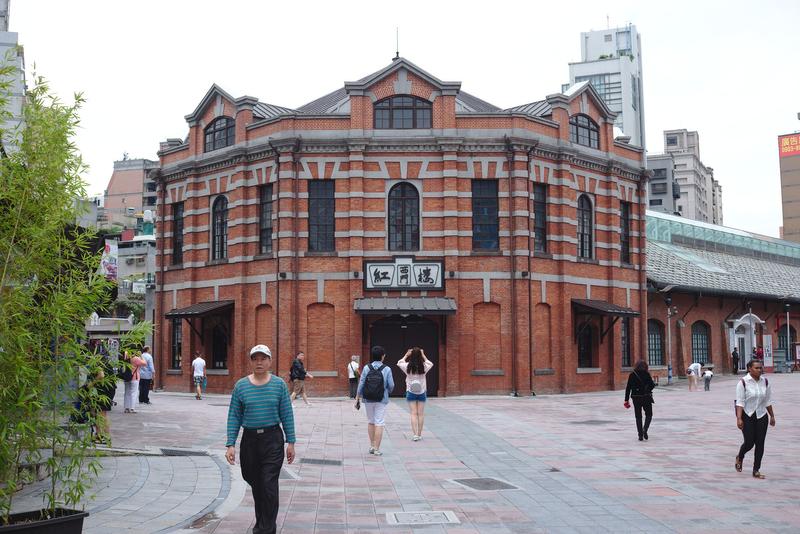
(397, 44)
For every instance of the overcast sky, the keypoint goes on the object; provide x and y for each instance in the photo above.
(728, 69)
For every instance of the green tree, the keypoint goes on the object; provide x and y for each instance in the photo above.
(49, 285)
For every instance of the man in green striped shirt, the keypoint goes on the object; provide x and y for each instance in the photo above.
(260, 404)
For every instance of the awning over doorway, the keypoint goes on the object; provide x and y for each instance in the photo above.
(201, 309)
(601, 307)
(410, 305)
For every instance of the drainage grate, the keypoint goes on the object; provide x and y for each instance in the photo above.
(592, 422)
(554, 470)
(320, 461)
(484, 484)
(181, 452)
(223, 405)
(422, 518)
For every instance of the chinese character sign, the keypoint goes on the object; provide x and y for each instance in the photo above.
(789, 145)
(403, 273)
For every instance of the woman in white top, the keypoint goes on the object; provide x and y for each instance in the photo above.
(352, 375)
(415, 366)
(753, 402)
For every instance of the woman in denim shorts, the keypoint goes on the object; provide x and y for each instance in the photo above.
(415, 365)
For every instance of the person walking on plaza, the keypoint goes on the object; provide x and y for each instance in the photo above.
(146, 374)
(261, 406)
(198, 374)
(735, 357)
(416, 366)
(352, 375)
(640, 389)
(707, 376)
(298, 375)
(753, 403)
(693, 372)
(130, 376)
(374, 387)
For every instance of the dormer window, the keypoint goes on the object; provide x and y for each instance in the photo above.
(220, 133)
(402, 112)
(584, 131)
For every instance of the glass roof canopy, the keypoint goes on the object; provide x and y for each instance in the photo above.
(666, 228)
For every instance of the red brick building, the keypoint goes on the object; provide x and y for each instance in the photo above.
(400, 210)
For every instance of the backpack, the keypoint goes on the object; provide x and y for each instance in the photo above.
(373, 384)
(125, 372)
(744, 385)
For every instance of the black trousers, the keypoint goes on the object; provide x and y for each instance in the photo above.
(144, 389)
(639, 404)
(755, 433)
(353, 387)
(261, 459)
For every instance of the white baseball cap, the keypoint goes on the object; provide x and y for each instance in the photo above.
(263, 349)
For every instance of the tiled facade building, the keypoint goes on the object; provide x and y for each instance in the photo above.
(400, 210)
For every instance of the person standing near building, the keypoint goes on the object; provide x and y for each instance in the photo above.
(707, 376)
(640, 389)
(130, 376)
(298, 375)
(198, 374)
(753, 403)
(261, 406)
(735, 357)
(416, 366)
(146, 374)
(693, 372)
(352, 375)
(374, 387)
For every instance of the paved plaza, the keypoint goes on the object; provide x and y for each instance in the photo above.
(564, 463)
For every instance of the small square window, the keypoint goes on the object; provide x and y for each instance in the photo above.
(607, 37)
(672, 140)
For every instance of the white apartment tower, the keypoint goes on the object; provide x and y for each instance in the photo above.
(11, 53)
(611, 60)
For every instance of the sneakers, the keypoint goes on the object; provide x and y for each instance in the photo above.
(372, 450)
(416, 438)
(376, 452)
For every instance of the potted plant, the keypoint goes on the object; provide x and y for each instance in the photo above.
(49, 285)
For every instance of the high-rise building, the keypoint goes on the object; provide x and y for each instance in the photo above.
(663, 191)
(11, 54)
(789, 160)
(611, 61)
(700, 194)
(130, 191)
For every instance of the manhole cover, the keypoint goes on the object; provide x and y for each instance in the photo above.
(180, 452)
(484, 484)
(422, 518)
(170, 426)
(320, 461)
(592, 422)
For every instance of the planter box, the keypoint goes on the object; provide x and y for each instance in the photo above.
(65, 522)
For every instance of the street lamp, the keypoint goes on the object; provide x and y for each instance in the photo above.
(752, 332)
(671, 310)
(786, 308)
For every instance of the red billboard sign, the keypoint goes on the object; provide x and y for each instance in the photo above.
(788, 145)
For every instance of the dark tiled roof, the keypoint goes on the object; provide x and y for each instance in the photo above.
(262, 110)
(476, 104)
(540, 108)
(324, 103)
(426, 305)
(685, 267)
(200, 309)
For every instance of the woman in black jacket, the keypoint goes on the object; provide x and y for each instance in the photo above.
(640, 388)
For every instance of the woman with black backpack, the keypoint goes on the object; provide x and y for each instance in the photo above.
(374, 387)
(640, 389)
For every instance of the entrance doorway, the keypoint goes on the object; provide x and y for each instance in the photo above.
(397, 334)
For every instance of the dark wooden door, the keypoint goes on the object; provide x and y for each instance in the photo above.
(397, 334)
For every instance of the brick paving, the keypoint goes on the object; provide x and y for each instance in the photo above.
(575, 459)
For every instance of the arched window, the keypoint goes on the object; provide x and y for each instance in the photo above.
(219, 134)
(402, 112)
(219, 230)
(700, 342)
(585, 230)
(403, 217)
(655, 343)
(584, 131)
(782, 336)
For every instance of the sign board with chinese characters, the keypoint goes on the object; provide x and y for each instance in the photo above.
(403, 274)
(789, 145)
